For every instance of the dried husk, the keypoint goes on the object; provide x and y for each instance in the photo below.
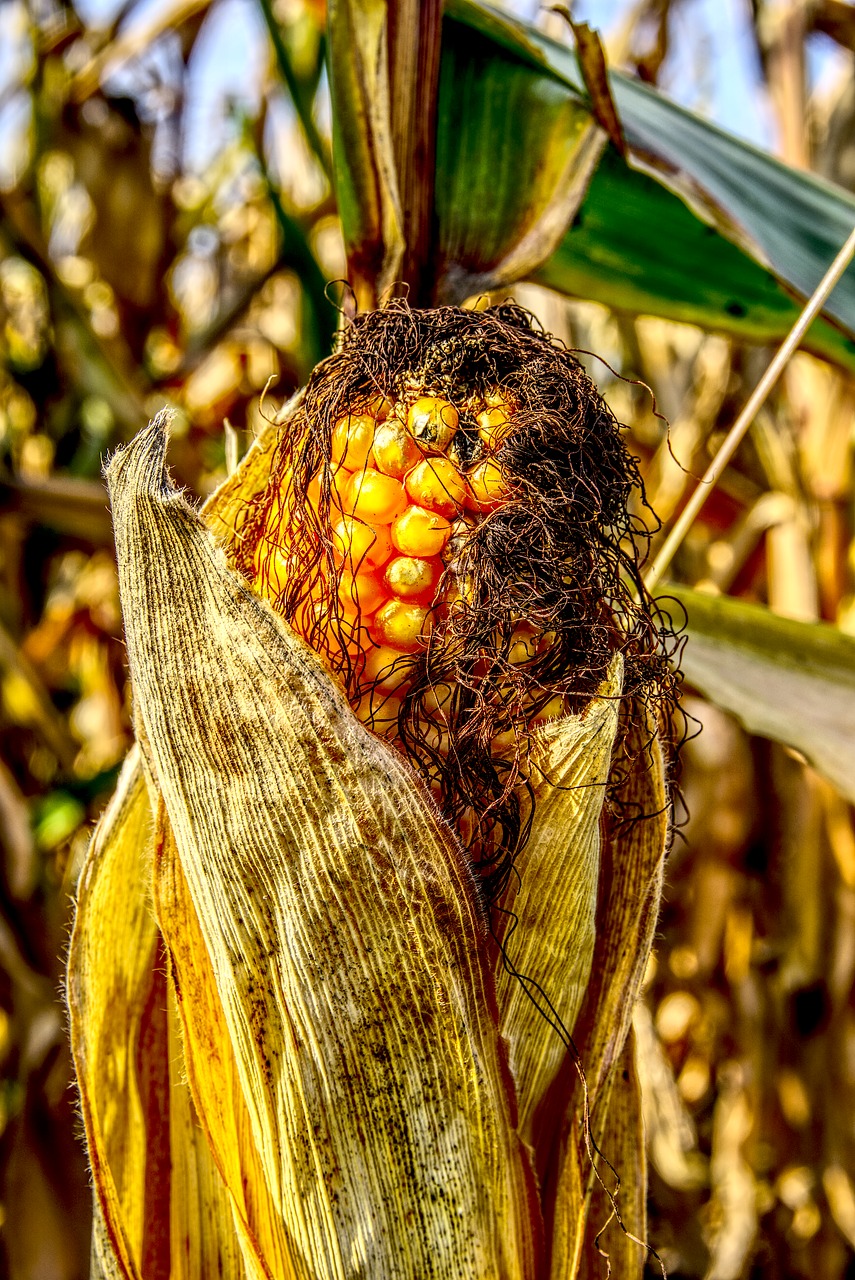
(340, 1069)
(328, 891)
(553, 896)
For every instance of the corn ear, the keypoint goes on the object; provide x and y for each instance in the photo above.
(331, 1064)
(328, 891)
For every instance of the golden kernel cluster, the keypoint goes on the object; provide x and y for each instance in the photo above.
(402, 501)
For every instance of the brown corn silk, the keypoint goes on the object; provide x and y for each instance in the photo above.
(529, 575)
(281, 975)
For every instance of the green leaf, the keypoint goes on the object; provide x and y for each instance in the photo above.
(793, 682)
(515, 153)
(714, 231)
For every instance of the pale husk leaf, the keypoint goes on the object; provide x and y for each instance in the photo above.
(340, 918)
(548, 909)
(631, 880)
(111, 960)
(622, 1141)
(159, 1199)
(203, 1242)
(211, 1070)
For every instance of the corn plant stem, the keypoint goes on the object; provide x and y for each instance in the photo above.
(415, 39)
(755, 401)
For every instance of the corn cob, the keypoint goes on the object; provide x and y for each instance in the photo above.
(447, 525)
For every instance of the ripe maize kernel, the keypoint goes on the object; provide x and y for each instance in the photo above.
(503, 743)
(339, 482)
(380, 716)
(352, 439)
(402, 625)
(275, 569)
(420, 533)
(493, 426)
(360, 593)
(497, 398)
(414, 579)
(432, 422)
(460, 530)
(379, 408)
(361, 547)
(375, 498)
(524, 645)
(395, 452)
(436, 700)
(487, 485)
(385, 667)
(434, 738)
(437, 484)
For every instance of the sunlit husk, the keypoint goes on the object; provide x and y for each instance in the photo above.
(633, 864)
(111, 962)
(548, 910)
(158, 1194)
(328, 892)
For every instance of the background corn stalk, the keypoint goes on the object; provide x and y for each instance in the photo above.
(751, 989)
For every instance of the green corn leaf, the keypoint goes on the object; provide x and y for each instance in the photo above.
(696, 226)
(793, 682)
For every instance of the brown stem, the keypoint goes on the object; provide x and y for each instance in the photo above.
(414, 33)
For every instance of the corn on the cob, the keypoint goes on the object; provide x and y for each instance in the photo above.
(449, 512)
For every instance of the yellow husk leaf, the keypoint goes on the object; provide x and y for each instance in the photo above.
(212, 1071)
(633, 859)
(147, 1150)
(112, 954)
(551, 900)
(328, 892)
(622, 1141)
(202, 1241)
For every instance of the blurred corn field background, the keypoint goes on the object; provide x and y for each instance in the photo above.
(168, 230)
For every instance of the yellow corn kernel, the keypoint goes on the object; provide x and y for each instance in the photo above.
(380, 408)
(436, 701)
(493, 425)
(437, 484)
(352, 439)
(376, 498)
(395, 452)
(432, 422)
(414, 579)
(487, 485)
(339, 484)
(380, 713)
(360, 546)
(524, 645)
(435, 738)
(360, 593)
(385, 666)
(402, 625)
(275, 570)
(503, 743)
(420, 533)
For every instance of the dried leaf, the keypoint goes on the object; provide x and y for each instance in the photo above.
(113, 948)
(329, 892)
(548, 937)
(631, 879)
(622, 1142)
